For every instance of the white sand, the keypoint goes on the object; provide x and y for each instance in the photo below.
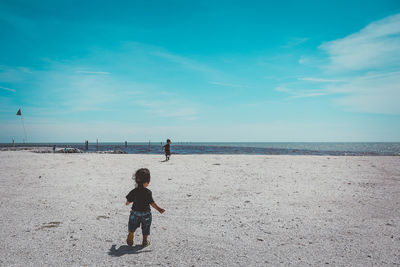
(225, 210)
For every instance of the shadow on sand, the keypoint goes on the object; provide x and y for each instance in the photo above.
(124, 249)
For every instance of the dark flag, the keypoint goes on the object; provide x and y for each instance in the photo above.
(19, 112)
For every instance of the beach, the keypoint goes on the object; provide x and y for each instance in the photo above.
(226, 210)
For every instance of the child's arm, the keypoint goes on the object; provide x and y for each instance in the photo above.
(129, 198)
(155, 206)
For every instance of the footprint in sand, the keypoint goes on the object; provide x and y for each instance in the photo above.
(102, 217)
(49, 225)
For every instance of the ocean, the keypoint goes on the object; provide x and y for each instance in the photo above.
(260, 148)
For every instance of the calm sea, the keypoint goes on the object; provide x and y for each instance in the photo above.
(265, 148)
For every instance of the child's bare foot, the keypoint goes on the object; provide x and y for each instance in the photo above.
(146, 243)
(129, 239)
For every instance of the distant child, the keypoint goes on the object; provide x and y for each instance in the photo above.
(141, 214)
(167, 149)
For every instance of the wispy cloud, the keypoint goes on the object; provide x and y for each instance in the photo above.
(8, 89)
(375, 46)
(303, 60)
(14, 74)
(103, 92)
(295, 42)
(304, 93)
(174, 109)
(185, 61)
(230, 85)
(320, 80)
(93, 72)
(374, 52)
(371, 93)
(363, 70)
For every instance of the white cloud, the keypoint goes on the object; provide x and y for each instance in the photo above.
(363, 70)
(321, 80)
(93, 72)
(283, 89)
(8, 89)
(303, 60)
(295, 42)
(375, 46)
(302, 93)
(371, 93)
(14, 74)
(310, 94)
(230, 85)
(374, 52)
(174, 109)
(186, 62)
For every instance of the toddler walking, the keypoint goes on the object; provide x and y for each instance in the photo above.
(142, 198)
(167, 149)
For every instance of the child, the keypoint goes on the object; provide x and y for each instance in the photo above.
(167, 150)
(140, 213)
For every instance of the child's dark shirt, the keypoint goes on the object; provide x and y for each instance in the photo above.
(141, 198)
(167, 149)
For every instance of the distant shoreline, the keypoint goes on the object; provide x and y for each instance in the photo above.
(321, 149)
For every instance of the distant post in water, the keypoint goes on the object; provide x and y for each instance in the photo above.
(126, 144)
(13, 141)
(87, 145)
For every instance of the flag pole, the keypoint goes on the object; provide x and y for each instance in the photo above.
(19, 113)
(23, 126)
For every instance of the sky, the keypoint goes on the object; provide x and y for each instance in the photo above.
(223, 71)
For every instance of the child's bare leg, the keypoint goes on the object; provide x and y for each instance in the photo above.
(129, 239)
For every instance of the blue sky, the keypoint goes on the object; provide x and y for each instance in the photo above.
(200, 70)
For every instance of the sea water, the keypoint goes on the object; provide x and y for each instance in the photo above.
(260, 148)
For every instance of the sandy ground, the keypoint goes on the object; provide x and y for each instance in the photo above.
(69, 210)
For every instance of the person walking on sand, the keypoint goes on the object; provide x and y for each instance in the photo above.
(142, 198)
(167, 149)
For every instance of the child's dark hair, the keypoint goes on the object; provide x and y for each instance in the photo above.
(168, 141)
(142, 176)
